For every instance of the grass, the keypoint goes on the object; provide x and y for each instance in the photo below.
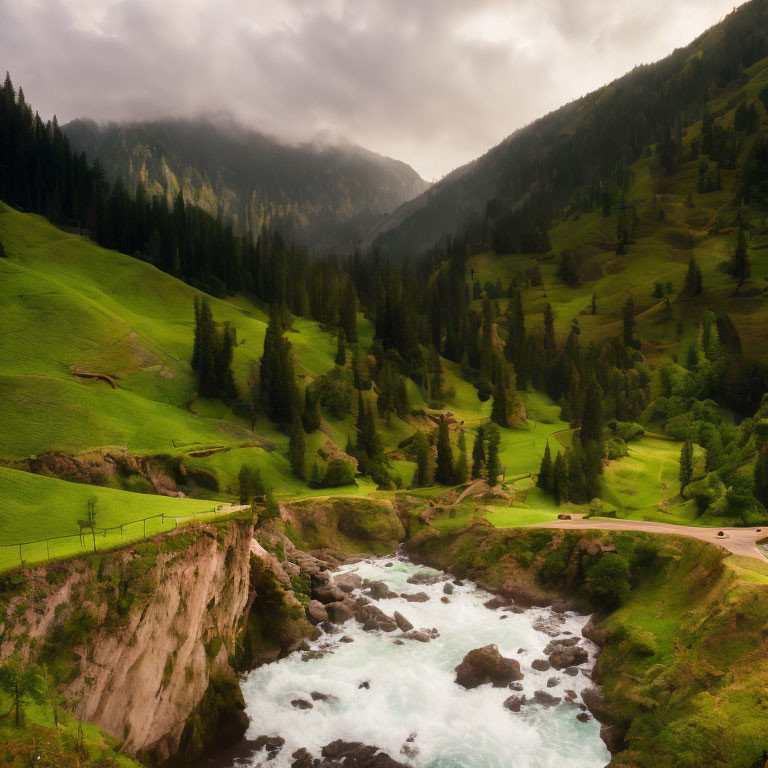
(67, 305)
(34, 507)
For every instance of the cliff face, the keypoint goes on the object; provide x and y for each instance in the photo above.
(135, 638)
(144, 641)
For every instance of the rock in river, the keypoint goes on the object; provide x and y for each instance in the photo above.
(487, 665)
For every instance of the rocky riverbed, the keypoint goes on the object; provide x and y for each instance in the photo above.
(414, 668)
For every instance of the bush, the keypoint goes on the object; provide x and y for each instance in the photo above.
(137, 484)
(484, 390)
(608, 581)
(335, 391)
(627, 430)
(705, 491)
(339, 473)
(616, 448)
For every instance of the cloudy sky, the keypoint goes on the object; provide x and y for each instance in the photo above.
(431, 82)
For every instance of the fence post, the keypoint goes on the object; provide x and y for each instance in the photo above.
(145, 527)
(48, 549)
(21, 559)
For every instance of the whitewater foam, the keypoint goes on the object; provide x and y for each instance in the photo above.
(411, 691)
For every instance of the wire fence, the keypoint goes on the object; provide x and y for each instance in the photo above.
(90, 540)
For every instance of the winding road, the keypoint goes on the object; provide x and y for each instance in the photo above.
(738, 541)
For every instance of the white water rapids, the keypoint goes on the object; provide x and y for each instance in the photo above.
(411, 688)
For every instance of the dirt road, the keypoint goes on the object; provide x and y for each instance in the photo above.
(739, 541)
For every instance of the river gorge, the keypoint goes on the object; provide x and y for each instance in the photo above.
(396, 690)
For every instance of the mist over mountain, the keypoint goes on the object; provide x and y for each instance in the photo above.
(574, 151)
(324, 194)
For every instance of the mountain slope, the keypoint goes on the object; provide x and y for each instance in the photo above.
(324, 196)
(578, 147)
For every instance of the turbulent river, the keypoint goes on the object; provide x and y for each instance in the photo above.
(395, 695)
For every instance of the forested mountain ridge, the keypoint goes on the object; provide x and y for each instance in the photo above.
(322, 195)
(570, 157)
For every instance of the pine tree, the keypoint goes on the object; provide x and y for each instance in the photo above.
(545, 478)
(341, 350)
(739, 266)
(577, 479)
(693, 282)
(425, 463)
(227, 389)
(560, 479)
(686, 463)
(444, 472)
(312, 415)
(245, 484)
(461, 469)
(592, 415)
(478, 453)
(297, 446)
(494, 464)
(575, 397)
(761, 477)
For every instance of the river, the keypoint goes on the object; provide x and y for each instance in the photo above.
(403, 695)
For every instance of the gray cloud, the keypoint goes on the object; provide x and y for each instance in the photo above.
(432, 82)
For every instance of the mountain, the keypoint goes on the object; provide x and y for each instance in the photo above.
(572, 153)
(322, 195)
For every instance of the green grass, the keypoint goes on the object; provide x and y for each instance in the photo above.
(67, 305)
(34, 507)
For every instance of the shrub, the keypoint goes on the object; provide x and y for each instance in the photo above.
(616, 448)
(339, 473)
(608, 581)
(335, 391)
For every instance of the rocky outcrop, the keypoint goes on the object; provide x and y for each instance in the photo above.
(345, 754)
(487, 665)
(351, 524)
(142, 637)
(144, 641)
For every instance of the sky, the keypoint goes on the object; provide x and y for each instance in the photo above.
(434, 83)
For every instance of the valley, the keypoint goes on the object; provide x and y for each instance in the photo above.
(293, 442)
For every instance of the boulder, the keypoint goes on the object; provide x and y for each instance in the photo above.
(583, 717)
(373, 618)
(568, 657)
(348, 582)
(545, 699)
(496, 602)
(402, 623)
(339, 612)
(554, 645)
(378, 590)
(418, 597)
(356, 755)
(448, 589)
(424, 579)
(487, 665)
(316, 612)
(553, 681)
(572, 671)
(513, 703)
(301, 704)
(420, 635)
(541, 665)
(329, 593)
(273, 744)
